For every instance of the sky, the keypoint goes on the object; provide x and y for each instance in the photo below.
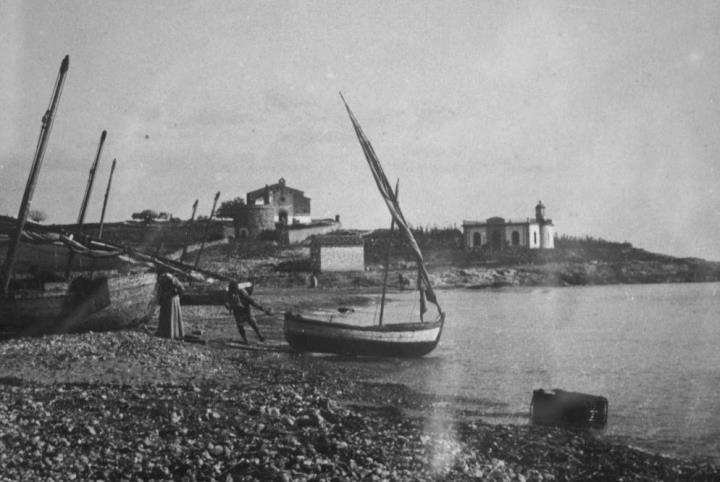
(606, 111)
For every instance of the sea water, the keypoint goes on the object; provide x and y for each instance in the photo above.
(652, 350)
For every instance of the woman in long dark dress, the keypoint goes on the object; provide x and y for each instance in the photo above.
(171, 323)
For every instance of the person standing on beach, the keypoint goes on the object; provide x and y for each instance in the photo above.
(170, 324)
(239, 302)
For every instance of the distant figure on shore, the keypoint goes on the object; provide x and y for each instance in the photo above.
(402, 281)
(239, 302)
(313, 280)
(171, 323)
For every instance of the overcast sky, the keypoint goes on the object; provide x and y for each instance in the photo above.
(608, 112)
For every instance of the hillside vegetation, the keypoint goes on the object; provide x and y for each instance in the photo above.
(574, 261)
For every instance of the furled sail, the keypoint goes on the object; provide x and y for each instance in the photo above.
(391, 201)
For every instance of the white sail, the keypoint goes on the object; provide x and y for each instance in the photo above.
(388, 195)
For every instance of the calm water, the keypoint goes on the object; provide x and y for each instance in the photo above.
(652, 350)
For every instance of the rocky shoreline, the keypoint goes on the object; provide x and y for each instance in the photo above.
(568, 274)
(277, 267)
(130, 406)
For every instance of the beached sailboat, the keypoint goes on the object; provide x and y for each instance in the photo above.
(110, 286)
(38, 301)
(336, 332)
(101, 301)
(100, 286)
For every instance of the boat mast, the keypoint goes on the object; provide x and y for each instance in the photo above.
(46, 126)
(207, 229)
(387, 259)
(187, 236)
(107, 194)
(91, 180)
(387, 194)
(86, 198)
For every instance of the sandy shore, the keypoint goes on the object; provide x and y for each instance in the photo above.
(130, 406)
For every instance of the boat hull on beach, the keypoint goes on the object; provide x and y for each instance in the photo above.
(101, 303)
(406, 340)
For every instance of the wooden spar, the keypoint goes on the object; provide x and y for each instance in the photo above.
(107, 194)
(192, 218)
(91, 180)
(47, 122)
(207, 229)
(159, 261)
(387, 259)
(86, 197)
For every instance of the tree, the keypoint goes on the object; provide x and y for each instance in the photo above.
(234, 209)
(37, 215)
(147, 216)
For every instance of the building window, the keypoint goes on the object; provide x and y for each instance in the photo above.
(515, 238)
(535, 238)
(477, 239)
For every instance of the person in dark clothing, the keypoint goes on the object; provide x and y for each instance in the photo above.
(170, 324)
(239, 302)
(402, 281)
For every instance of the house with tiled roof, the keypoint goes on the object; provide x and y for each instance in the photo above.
(289, 205)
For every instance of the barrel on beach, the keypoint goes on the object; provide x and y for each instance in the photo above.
(558, 407)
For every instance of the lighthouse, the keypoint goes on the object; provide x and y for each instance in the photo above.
(547, 233)
(540, 212)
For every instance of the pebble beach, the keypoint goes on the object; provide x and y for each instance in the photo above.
(132, 406)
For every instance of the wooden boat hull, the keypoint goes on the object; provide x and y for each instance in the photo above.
(103, 304)
(407, 340)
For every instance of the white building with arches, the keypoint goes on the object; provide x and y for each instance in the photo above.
(498, 233)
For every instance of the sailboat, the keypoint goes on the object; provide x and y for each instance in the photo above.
(325, 334)
(104, 286)
(37, 302)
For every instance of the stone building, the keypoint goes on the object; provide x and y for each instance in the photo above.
(290, 206)
(281, 213)
(333, 252)
(498, 233)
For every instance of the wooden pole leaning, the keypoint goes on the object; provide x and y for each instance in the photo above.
(86, 197)
(187, 235)
(207, 230)
(46, 127)
(105, 200)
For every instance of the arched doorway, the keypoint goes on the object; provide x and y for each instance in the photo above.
(496, 240)
(283, 217)
(515, 238)
(477, 240)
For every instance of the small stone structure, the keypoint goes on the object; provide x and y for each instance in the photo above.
(337, 252)
(497, 233)
(260, 217)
